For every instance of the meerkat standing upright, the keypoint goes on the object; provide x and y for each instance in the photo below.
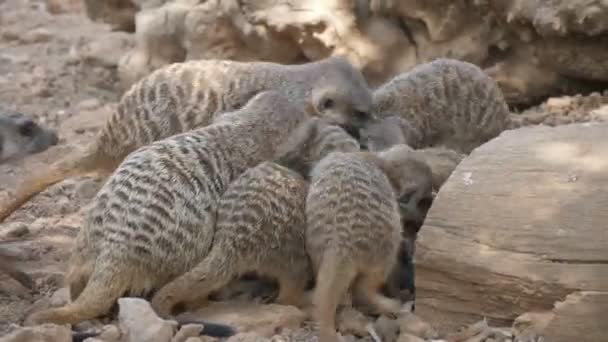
(265, 206)
(154, 218)
(354, 227)
(184, 96)
(447, 102)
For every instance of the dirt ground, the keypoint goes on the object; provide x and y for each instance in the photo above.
(45, 73)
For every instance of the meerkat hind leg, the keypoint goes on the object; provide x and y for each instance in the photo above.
(367, 291)
(291, 290)
(97, 298)
(334, 277)
(192, 289)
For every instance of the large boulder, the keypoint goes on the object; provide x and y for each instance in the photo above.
(532, 48)
(520, 226)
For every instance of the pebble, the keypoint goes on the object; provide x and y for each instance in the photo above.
(37, 35)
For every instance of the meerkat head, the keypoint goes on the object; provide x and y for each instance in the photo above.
(281, 118)
(412, 180)
(341, 96)
(21, 136)
(381, 133)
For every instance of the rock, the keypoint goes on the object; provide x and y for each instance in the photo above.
(405, 337)
(600, 114)
(37, 35)
(247, 337)
(516, 229)
(352, 322)
(194, 339)
(89, 104)
(264, 319)
(387, 328)
(44, 332)
(186, 331)
(110, 333)
(60, 298)
(559, 102)
(412, 324)
(107, 49)
(139, 322)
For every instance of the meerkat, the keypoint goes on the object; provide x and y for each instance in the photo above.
(154, 218)
(447, 102)
(383, 133)
(21, 136)
(265, 207)
(354, 226)
(185, 96)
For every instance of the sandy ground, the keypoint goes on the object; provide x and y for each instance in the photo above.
(45, 72)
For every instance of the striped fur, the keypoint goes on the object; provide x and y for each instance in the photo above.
(447, 102)
(185, 96)
(260, 228)
(154, 218)
(354, 226)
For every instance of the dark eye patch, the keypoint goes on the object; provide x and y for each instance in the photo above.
(27, 129)
(360, 115)
(425, 204)
(327, 104)
(406, 197)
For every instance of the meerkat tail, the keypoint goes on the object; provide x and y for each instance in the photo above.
(334, 277)
(71, 167)
(97, 299)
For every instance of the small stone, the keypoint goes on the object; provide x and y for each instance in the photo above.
(61, 297)
(247, 337)
(193, 339)
(412, 324)
(89, 104)
(387, 328)
(186, 331)
(37, 35)
(350, 321)
(44, 332)
(559, 102)
(110, 333)
(139, 322)
(405, 337)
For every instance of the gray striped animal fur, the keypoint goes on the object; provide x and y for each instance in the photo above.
(354, 226)
(154, 218)
(260, 228)
(185, 96)
(445, 102)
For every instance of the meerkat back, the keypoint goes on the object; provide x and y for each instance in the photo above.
(260, 228)
(154, 218)
(353, 235)
(448, 102)
(262, 207)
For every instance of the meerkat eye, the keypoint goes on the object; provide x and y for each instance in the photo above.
(327, 104)
(406, 197)
(27, 128)
(425, 204)
(360, 115)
